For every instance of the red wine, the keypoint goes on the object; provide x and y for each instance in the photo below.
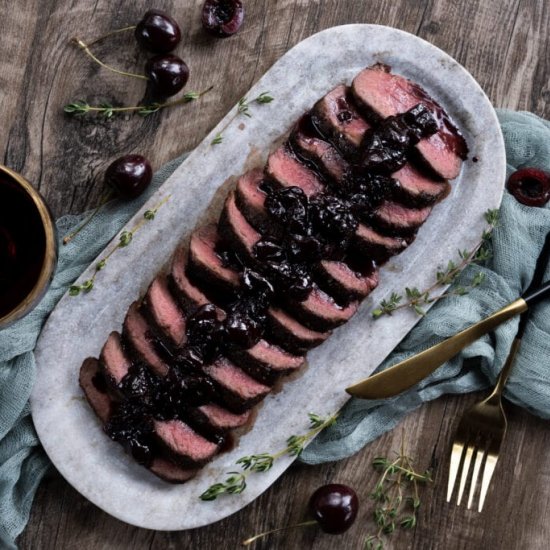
(22, 244)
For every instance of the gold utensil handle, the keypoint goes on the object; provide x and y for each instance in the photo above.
(409, 372)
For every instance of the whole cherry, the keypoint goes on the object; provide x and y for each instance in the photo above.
(222, 18)
(167, 75)
(334, 508)
(157, 32)
(530, 186)
(129, 175)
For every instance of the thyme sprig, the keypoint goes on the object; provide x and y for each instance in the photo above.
(236, 482)
(416, 299)
(243, 108)
(124, 239)
(82, 108)
(396, 495)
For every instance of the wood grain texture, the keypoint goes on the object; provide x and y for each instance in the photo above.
(503, 43)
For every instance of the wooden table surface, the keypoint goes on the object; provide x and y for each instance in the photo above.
(503, 43)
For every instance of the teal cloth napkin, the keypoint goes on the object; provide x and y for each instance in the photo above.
(517, 242)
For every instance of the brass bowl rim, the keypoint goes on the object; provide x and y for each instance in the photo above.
(50, 253)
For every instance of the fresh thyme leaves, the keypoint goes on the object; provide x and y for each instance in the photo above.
(82, 108)
(124, 239)
(217, 139)
(396, 497)
(264, 97)
(416, 299)
(233, 485)
(243, 108)
(236, 482)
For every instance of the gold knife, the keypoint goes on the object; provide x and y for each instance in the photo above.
(409, 372)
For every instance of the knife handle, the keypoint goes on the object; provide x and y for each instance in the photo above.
(535, 296)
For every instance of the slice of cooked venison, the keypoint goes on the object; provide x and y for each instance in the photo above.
(324, 156)
(398, 219)
(371, 244)
(384, 94)
(94, 388)
(182, 444)
(337, 118)
(320, 312)
(114, 361)
(343, 283)
(416, 189)
(188, 295)
(206, 268)
(168, 471)
(283, 329)
(137, 334)
(251, 200)
(237, 232)
(285, 170)
(238, 390)
(266, 362)
(165, 312)
(220, 419)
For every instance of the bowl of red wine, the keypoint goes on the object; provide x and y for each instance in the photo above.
(28, 247)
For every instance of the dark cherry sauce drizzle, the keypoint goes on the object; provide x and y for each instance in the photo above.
(305, 230)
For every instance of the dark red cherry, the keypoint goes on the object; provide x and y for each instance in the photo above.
(334, 507)
(167, 75)
(242, 329)
(268, 250)
(157, 32)
(530, 186)
(129, 176)
(222, 18)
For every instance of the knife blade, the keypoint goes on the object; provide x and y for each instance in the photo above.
(409, 372)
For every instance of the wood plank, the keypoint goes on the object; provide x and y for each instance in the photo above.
(503, 43)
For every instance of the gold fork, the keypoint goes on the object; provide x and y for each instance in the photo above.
(482, 428)
(478, 439)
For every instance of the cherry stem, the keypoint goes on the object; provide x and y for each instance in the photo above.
(117, 31)
(265, 533)
(104, 200)
(87, 50)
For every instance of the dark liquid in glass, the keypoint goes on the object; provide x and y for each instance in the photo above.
(22, 244)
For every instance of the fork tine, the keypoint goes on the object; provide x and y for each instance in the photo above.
(488, 471)
(465, 470)
(456, 455)
(478, 459)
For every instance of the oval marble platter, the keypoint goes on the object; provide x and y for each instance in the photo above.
(78, 327)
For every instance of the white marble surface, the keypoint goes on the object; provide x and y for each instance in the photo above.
(77, 328)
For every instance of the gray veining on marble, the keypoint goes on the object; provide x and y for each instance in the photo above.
(77, 328)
